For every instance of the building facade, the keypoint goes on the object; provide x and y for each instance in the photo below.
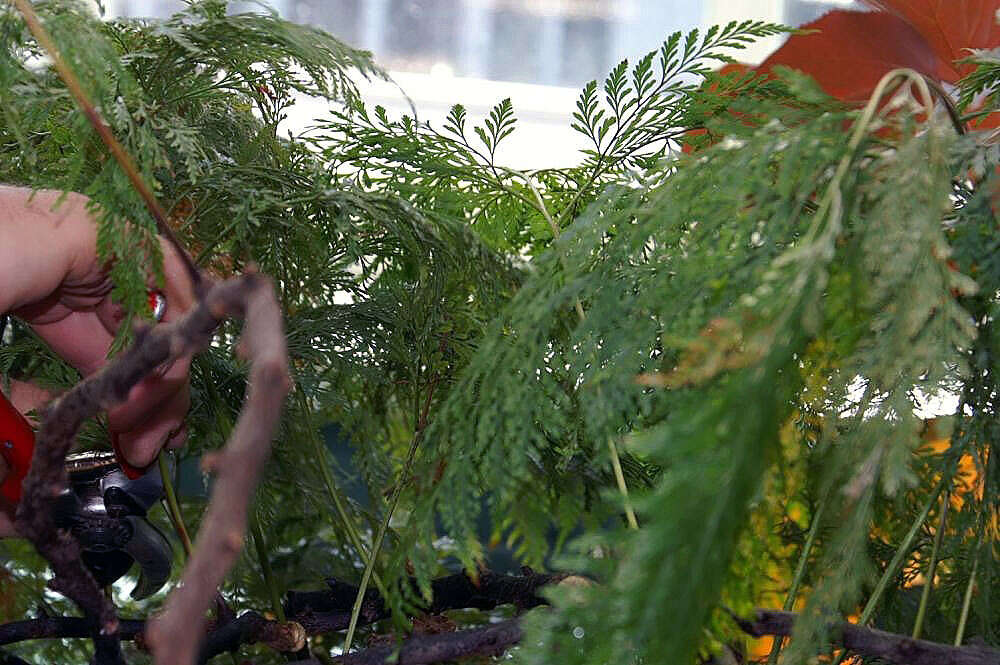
(549, 42)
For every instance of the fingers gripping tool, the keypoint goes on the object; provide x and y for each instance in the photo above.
(104, 508)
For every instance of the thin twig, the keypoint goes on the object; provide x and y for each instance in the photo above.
(104, 131)
(173, 507)
(871, 643)
(800, 570)
(918, 624)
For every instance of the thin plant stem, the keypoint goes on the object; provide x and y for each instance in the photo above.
(897, 559)
(335, 496)
(616, 465)
(800, 570)
(978, 114)
(983, 527)
(419, 425)
(260, 546)
(616, 462)
(967, 600)
(173, 507)
(383, 527)
(918, 624)
(119, 153)
(901, 552)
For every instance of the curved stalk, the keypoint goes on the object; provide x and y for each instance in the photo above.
(173, 507)
(932, 567)
(967, 601)
(901, 552)
(897, 559)
(800, 570)
(383, 527)
(265, 568)
(616, 462)
(335, 496)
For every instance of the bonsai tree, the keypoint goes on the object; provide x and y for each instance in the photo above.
(690, 380)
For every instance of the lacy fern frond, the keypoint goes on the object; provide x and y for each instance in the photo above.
(642, 115)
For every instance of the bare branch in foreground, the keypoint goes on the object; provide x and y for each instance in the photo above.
(323, 612)
(252, 627)
(449, 592)
(312, 613)
(173, 635)
(427, 649)
(60, 628)
(251, 296)
(47, 476)
(873, 643)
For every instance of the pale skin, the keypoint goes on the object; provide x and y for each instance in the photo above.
(51, 278)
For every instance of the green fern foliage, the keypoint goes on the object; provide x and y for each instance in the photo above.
(753, 321)
(639, 117)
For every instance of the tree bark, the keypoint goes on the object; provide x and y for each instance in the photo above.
(873, 643)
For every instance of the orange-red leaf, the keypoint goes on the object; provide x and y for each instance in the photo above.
(853, 50)
(950, 27)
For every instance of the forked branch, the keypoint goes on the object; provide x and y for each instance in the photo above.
(172, 634)
(250, 297)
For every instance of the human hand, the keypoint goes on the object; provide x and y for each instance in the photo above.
(59, 287)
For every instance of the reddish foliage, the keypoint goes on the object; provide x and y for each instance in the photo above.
(851, 51)
(950, 27)
(991, 121)
(734, 68)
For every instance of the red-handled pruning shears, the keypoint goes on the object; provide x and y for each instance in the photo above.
(17, 440)
(105, 508)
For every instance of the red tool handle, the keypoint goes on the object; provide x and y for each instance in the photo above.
(131, 472)
(17, 439)
(17, 445)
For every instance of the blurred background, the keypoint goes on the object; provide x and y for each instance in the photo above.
(478, 52)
